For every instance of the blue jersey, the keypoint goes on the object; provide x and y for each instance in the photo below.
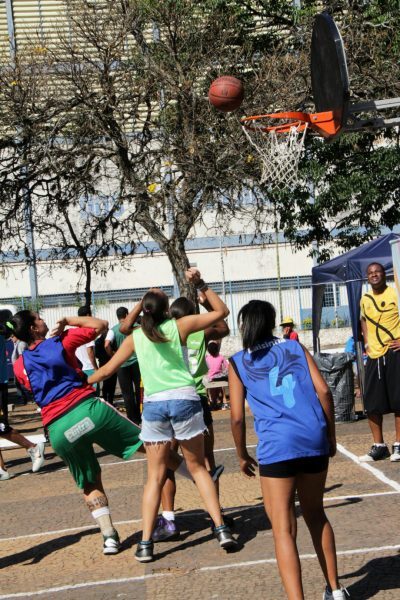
(49, 374)
(288, 417)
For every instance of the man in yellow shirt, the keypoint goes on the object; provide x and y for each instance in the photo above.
(380, 325)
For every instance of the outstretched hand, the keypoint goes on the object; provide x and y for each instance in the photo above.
(248, 465)
(59, 328)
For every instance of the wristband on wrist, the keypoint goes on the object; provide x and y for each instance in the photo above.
(201, 286)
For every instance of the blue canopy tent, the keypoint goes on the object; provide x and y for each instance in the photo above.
(349, 268)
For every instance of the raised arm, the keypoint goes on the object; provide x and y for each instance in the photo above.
(218, 330)
(325, 398)
(124, 352)
(219, 310)
(99, 325)
(238, 423)
(127, 326)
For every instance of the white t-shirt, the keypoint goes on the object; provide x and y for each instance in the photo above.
(110, 337)
(82, 355)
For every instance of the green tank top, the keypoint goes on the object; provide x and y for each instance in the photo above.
(162, 365)
(196, 346)
(118, 339)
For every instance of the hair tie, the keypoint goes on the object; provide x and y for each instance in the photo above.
(10, 325)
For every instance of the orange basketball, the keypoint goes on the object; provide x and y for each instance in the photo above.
(226, 93)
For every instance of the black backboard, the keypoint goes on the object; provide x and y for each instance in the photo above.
(329, 77)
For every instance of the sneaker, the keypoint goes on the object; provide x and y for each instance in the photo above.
(225, 407)
(229, 521)
(37, 456)
(111, 544)
(225, 537)
(144, 551)
(165, 530)
(395, 456)
(4, 474)
(341, 594)
(216, 472)
(376, 453)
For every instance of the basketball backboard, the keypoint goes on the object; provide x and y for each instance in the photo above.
(329, 76)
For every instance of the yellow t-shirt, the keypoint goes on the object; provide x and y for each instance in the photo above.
(381, 313)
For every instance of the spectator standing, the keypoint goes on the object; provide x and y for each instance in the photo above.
(129, 372)
(102, 357)
(288, 332)
(217, 371)
(86, 353)
(380, 325)
(35, 451)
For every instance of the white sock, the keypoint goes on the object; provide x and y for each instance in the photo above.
(380, 445)
(338, 594)
(184, 471)
(103, 518)
(169, 515)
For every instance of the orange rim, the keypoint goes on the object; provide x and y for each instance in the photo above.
(323, 123)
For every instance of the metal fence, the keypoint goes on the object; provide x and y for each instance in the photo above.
(291, 296)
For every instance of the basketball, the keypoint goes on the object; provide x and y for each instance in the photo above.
(226, 93)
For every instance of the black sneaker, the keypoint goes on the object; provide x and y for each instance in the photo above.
(225, 537)
(111, 543)
(376, 453)
(144, 551)
(229, 521)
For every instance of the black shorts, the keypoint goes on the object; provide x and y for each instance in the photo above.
(295, 466)
(208, 420)
(382, 384)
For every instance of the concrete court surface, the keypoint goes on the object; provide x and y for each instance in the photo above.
(50, 547)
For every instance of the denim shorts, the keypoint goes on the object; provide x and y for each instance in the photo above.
(164, 420)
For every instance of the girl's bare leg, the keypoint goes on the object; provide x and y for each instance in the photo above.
(193, 452)
(310, 489)
(278, 494)
(157, 458)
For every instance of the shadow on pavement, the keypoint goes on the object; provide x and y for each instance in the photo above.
(378, 574)
(35, 554)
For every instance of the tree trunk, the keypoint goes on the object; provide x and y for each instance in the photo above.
(88, 282)
(175, 250)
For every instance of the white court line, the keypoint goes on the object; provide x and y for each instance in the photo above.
(250, 563)
(378, 474)
(228, 510)
(125, 462)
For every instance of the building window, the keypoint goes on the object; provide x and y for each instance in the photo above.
(329, 295)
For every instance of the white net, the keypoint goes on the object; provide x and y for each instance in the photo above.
(279, 153)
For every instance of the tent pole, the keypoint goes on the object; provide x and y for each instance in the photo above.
(360, 371)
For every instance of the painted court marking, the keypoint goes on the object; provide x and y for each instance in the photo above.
(229, 510)
(376, 472)
(238, 565)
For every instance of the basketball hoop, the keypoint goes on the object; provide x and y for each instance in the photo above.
(279, 147)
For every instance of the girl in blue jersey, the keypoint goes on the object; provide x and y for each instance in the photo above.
(295, 425)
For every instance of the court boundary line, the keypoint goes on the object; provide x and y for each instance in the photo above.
(376, 472)
(194, 512)
(205, 569)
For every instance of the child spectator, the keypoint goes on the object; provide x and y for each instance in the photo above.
(217, 371)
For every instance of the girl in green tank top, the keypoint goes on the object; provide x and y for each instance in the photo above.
(170, 393)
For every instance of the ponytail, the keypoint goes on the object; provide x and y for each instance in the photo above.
(22, 322)
(155, 309)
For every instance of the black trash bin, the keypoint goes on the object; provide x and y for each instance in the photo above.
(337, 370)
